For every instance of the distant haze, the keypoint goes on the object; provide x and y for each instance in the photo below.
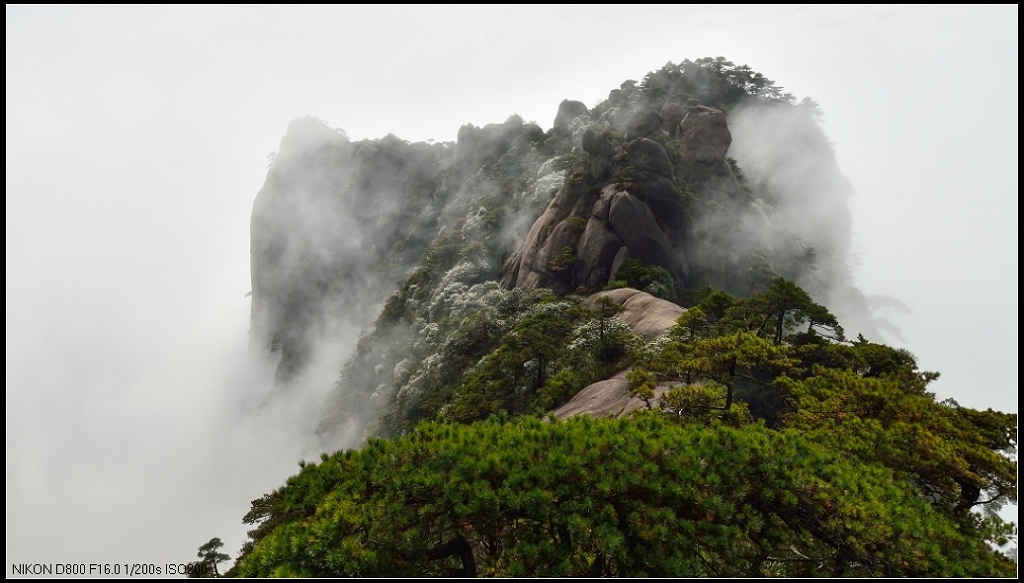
(137, 139)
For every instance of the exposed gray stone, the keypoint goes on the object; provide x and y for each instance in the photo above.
(630, 189)
(646, 315)
(567, 111)
(600, 154)
(705, 139)
(633, 222)
(598, 248)
(621, 257)
(604, 202)
(607, 398)
(614, 97)
(671, 114)
(642, 124)
(666, 202)
(650, 157)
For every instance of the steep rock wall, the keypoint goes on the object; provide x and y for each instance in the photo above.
(645, 193)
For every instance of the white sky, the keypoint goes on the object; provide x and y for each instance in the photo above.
(137, 139)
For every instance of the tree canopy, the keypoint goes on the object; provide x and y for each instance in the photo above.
(209, 556)
(634, 497)
(773, 451)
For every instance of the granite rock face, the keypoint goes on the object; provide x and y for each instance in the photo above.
(705, 138)
(671, 114)
(642, 124)
(649, 158)
(655, 187)
(648, 317)
(576, 240)
(567, 111)
(628, 204)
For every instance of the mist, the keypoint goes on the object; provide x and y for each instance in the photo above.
(138, 139)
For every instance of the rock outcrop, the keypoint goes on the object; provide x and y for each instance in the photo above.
(626, 205)
(671, 114)
(639, 190)
(705, 139)
(642, 124)
(730, 230)
(567, 111)
(648, 317)
(655, 187)
(575, 243)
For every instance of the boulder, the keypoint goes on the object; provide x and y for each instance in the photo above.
(705, 139)
(627, 206)
(567, 111)
(633, 222)
(671, 114)
(620, 258)
(535, 264)
(642, 124)
(646, 315)
(614, 97)
(524, 268)
(649, 157)
(538, 265)
(597, 250)
(607, 398)
(666, 202)
(600, 154)
(597, 226)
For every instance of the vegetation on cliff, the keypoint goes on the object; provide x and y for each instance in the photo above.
(768, 443)
(669, 217)
(773, 453)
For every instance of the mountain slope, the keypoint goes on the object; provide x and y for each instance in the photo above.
(704, 186)
(642, 180)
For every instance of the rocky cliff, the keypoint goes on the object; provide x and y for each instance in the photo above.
(406, 243)
(643, 194)
(648, 317)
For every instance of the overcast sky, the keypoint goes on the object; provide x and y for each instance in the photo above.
(137, 139)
